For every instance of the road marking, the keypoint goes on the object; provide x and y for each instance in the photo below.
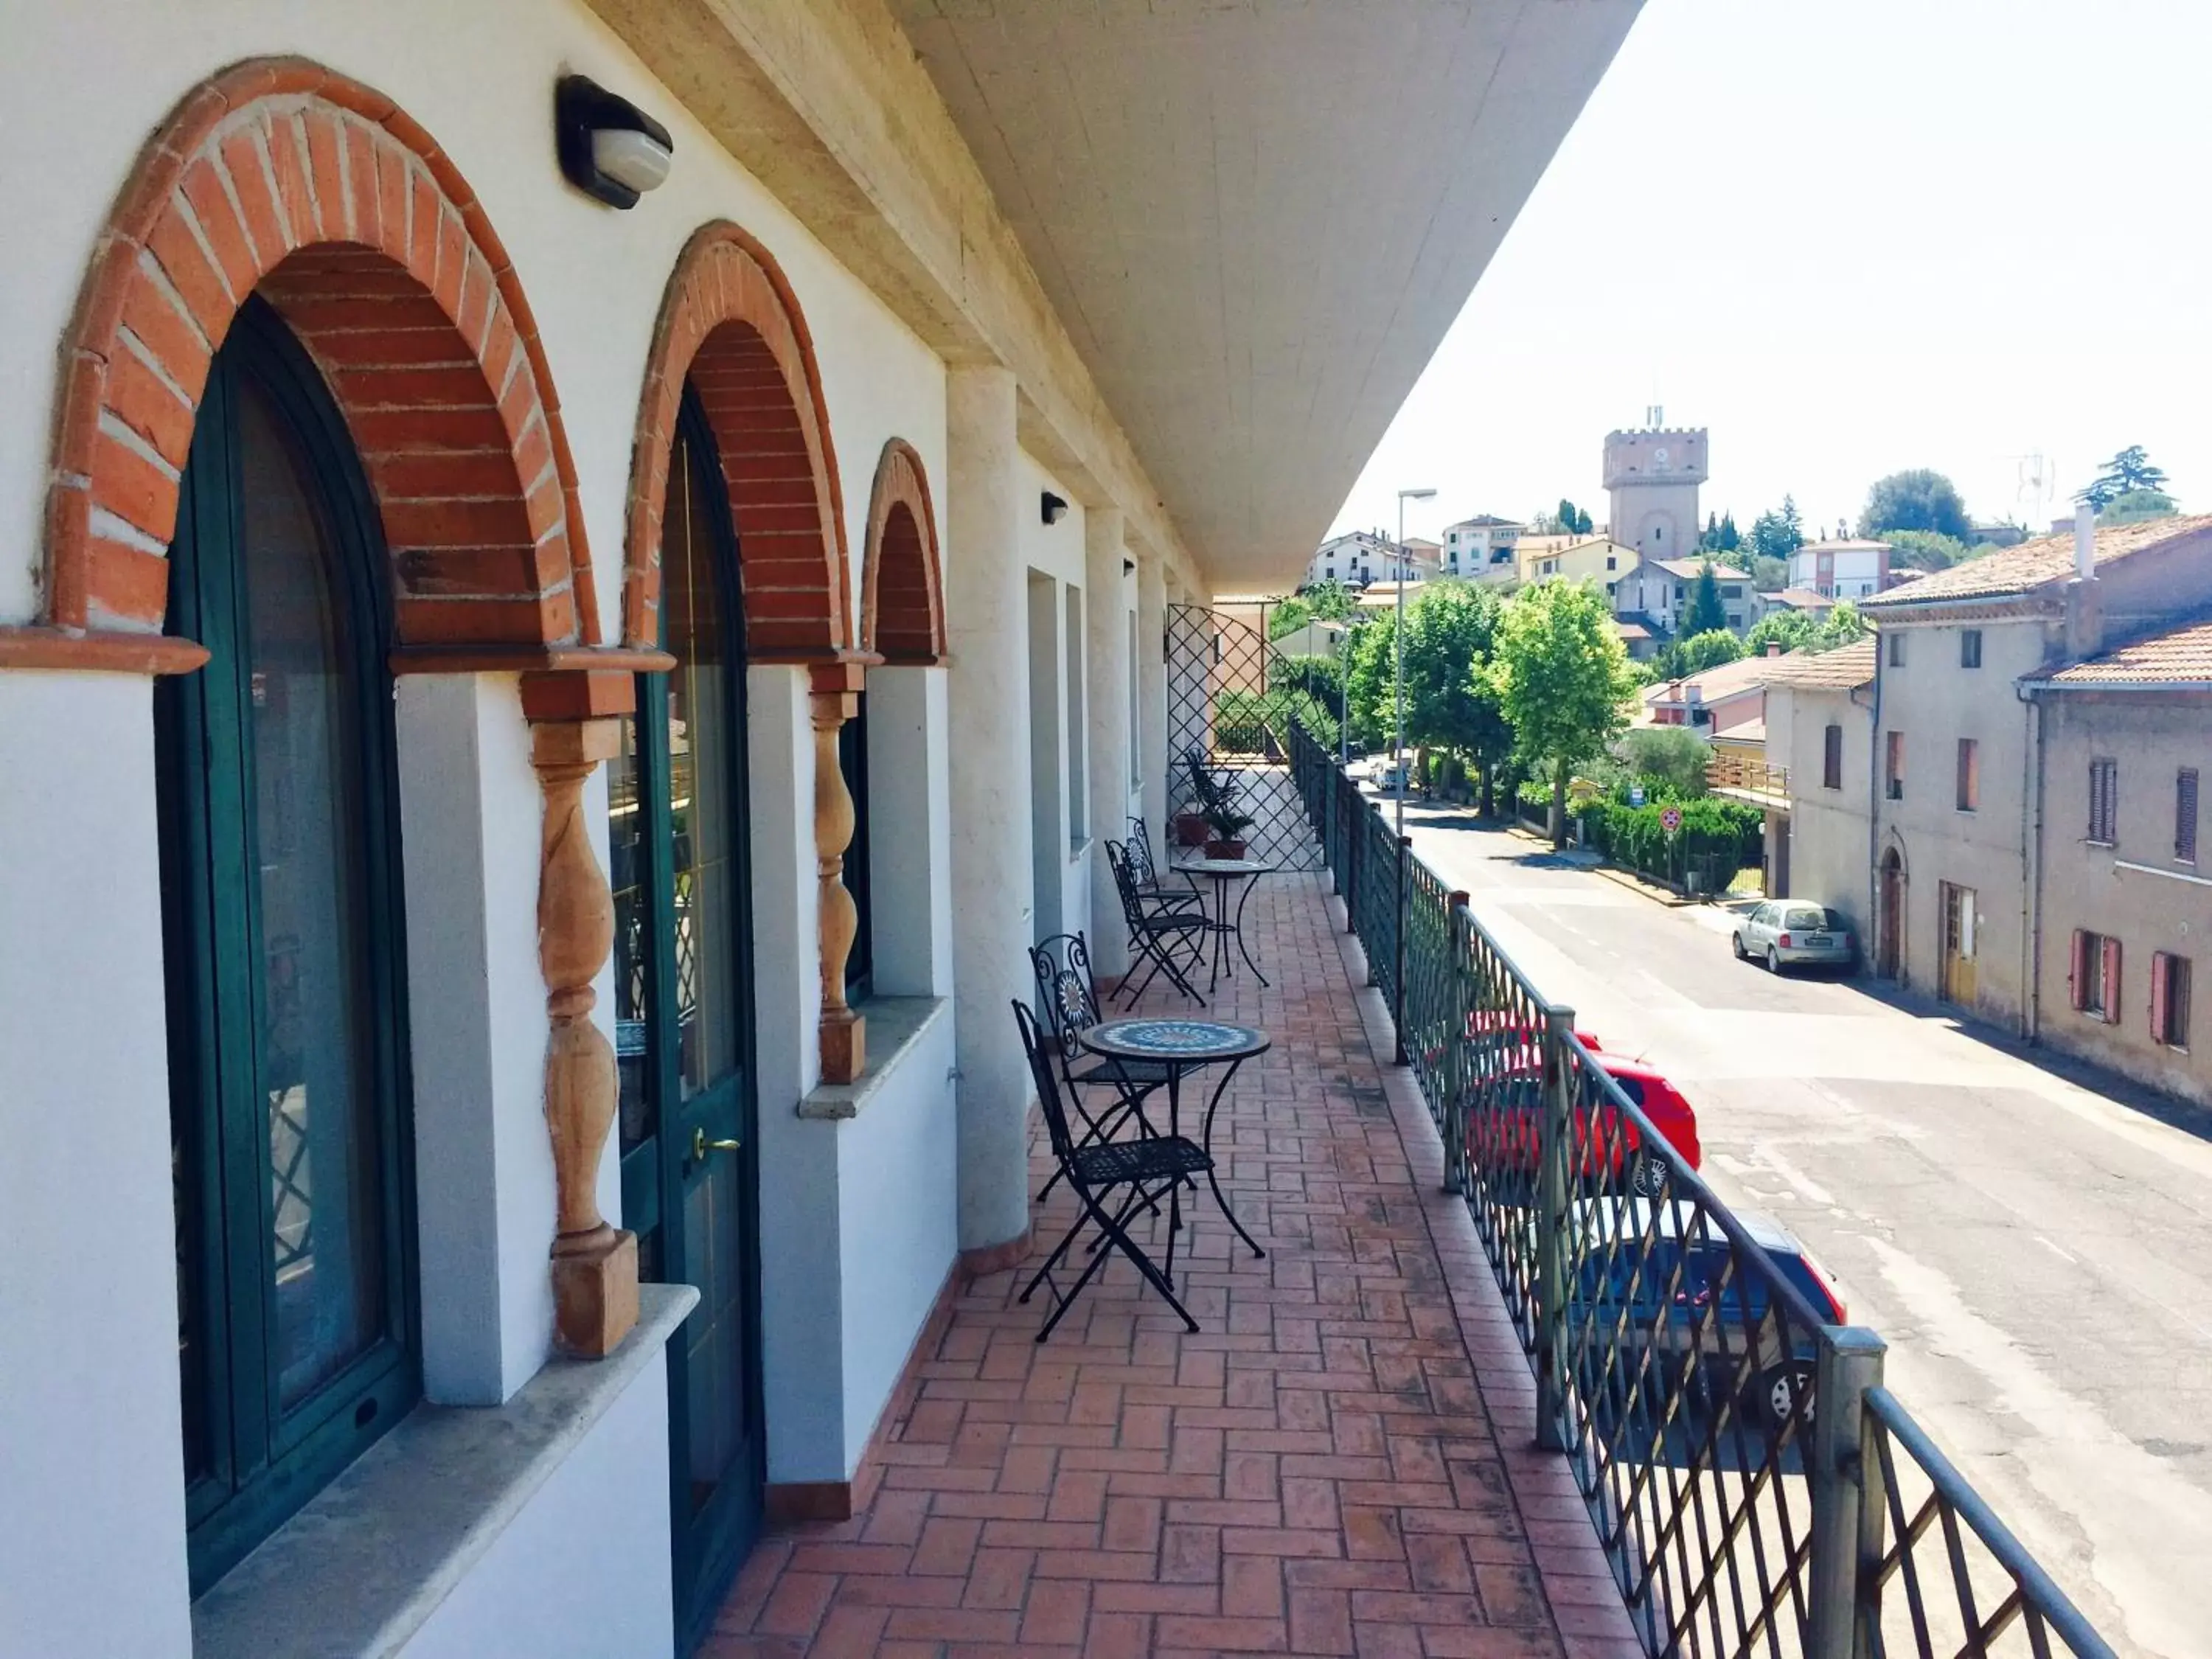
(2056, 1251)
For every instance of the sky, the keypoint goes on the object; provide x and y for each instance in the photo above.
(1848, 237)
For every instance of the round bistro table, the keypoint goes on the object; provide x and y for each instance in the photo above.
(1223, 872)
(1177, 1046)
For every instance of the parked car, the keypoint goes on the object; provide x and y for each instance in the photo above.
(1671, 1264)
(1791, 933)
(1613, 1155)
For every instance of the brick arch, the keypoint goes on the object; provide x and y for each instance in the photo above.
(731, 324)
(902, 589)
(281, 178)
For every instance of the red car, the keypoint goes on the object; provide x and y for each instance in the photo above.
(1610, 1146)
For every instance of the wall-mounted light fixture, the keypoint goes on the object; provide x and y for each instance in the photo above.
(1129, 567)
(1055, 507)
(609, 148)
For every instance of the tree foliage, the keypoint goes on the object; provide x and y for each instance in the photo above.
(1916, 499)
(1668, 760)
(2130, 470)
(1693, 654)
(1720, 534)
(1927, 549)
(1564, 519)
(1704, 612)
(1323, 602)
(1563, 681)
(2133, 506)
(1779, 533)
(1768, 573)
(1451, 632)
(1800, 630)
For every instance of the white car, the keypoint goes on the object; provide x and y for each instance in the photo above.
(1790, 933)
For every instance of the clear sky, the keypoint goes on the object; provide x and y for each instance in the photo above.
(1848, 236)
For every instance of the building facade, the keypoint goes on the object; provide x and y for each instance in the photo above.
(1652, 476)
(1481, 548)
(1658, 592)
(549, 671)
(1849, 569)
(1819, 722)
(1597, 559)
(1361, 557)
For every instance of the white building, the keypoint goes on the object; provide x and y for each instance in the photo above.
(418, 1244)
(1481, 548)
(1658, 592)
(1842, 569)
(1361, 557)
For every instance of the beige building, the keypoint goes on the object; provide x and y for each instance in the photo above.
(1949, 895)
(2122, 890)
(1599, 559)
(1820, 738)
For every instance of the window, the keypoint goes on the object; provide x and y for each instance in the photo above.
(2104, 801)
(2169, 1000)
(1611, 560)
(2185, 814)
(1897, 650)
(280, 892)
(1970, 774)
(1078, 727)
(853, 767)
(1732, 591)
(1970, 647)
(1832, 757)
(2096, 975)
(1136, 715)
(1892, 770)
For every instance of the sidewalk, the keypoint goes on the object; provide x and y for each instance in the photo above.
(1341, 1461)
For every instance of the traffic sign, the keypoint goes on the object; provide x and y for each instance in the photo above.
(1670, 820)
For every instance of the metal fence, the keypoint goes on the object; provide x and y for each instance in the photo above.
(1756, 1488)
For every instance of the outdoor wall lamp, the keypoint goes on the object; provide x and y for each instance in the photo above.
(1055, 507)
(610, 149)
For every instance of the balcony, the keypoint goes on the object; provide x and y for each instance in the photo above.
(1741, 778)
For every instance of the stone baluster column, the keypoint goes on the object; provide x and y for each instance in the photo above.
(987, 620)
(1106, 660)
(575, 725)
(833, 693)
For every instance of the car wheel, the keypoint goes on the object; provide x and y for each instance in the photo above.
(1782, 1388)
(1647, 1176)
(1736, 943)
(1774, 960)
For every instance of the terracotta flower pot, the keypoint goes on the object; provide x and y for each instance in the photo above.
(1225, 849)
(1191, 829)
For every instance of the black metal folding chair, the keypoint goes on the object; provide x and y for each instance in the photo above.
(1141, 1172)
(1169, 939)
(1139, 846)
(1069, 997)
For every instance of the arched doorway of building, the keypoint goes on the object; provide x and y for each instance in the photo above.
(1890, 941)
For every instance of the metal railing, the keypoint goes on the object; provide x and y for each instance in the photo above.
(1729, 771)
(1756, 1489)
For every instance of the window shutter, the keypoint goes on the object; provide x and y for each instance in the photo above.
(2185, 814)
(2077, 972)
(1832, 757)
(2160, 975)
(2112, 981)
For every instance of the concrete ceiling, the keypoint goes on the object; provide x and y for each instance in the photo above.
(1257, 218)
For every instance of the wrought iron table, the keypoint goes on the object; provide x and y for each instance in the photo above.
(1180, 1046)
(1224, 871)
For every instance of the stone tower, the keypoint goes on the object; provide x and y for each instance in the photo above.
(1652, 475)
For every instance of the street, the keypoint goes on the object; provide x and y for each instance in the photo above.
(2037, 1252)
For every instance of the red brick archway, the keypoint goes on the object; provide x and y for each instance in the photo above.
(902, 591)
(730, 323)
(281, 178)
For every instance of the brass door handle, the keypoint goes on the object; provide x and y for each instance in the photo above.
(700, 1145)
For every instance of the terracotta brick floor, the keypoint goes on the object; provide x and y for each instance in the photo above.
(1340, 1461)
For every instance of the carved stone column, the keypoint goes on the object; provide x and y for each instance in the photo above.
(574, 727)
(834, 695)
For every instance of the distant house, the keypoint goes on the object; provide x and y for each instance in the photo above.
(1481, 548)
(1599, 559)
(1819, 736)
(1638, 637)
(1722, 701)
(1797, 599)
(1848, 569)
(1361, 557)
(1658, 592)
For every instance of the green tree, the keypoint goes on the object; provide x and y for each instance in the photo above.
(1288, 616)
(1927, 549)
(1916, 499)
(1693, 654)
(1368, 669)
(1450, 633)
(1562, 680)
(2133, 506)
(1704, 612)
(1777, 533)
(1672, 757)
(1793, 630)
(1768, 573)
(1841, 626)
(2130, 470)
(1332, 601)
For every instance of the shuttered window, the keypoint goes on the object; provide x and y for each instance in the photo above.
(1894, 766)
(2169, 1000)
(2104, 801)
(1970, 647)
(2185, 814)
(2094, 980)
(1970, 774)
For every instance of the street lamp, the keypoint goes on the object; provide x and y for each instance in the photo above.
(1397, 655)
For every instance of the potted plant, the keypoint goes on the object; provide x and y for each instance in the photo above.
(1190, 827)
(1226, 827)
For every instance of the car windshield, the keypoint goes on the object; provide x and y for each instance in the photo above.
(1811, 915)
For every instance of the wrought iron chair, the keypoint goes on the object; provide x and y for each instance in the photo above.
(1069, 997)
(1142, 1171)
(1169, 939)
(1140, 845)
(1214, 788)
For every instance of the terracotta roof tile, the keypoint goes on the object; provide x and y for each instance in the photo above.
(2029, 566)
(2182, 654)
(1844, 669)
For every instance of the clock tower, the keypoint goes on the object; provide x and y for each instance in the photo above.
(1652, 475)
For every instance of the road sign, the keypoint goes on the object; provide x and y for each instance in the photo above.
(1671, 819)
(1636, 794)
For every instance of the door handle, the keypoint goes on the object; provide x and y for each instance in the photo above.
(700, 1145)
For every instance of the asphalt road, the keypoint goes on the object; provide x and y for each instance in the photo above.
(2036, 1247)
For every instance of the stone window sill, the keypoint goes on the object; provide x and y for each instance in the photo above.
(362, 1568)
(895, 1024)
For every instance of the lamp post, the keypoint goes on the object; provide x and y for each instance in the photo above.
(1398, 656)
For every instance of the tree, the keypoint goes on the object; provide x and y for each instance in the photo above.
(2133, 506)
(1693, 654)
(1367, 658)
(1705, 611)
(1777, 533)
(1288, 616)
(1332, 601)
(1793, 630)
(1917, 499)
(1671, 756)
(1927, 549)
(2130, 470)
(1562, 678)
(1841, 626)
(1768, 573)
(1451, 631)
